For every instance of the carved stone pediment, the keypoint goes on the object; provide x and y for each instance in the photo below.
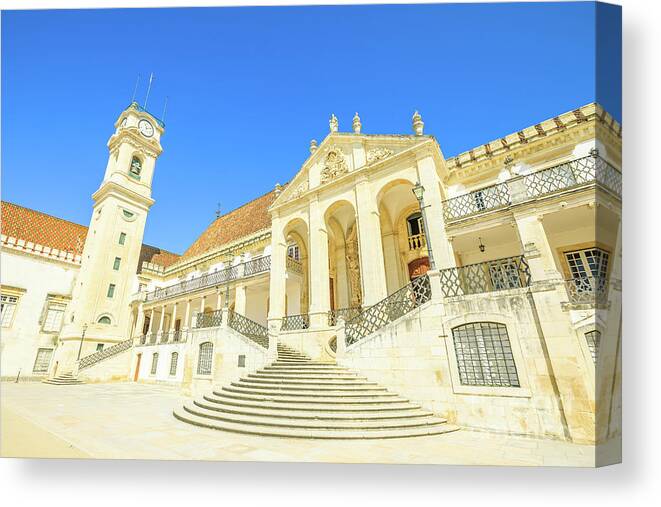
(298, 191)
(335, 165)
(378, 154)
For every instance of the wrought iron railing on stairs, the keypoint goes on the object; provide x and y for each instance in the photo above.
(248, 328)
(97, 357)
(388, 310)
(346, 313)
(293, 322)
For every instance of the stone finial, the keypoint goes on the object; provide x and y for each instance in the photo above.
(333, 123)
(418, 124)
(356, 124)
(278, 189)
(313, 145)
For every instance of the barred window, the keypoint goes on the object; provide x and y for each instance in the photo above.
(54, 317)
(591, 262)
(122, 238)
(7, 309)
(154, 363)
(111, 290)
(42, 360)
(173, 363)
(484, 355)
(204, 361)
(593, 338)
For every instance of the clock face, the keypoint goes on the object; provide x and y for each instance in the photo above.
(146, 128)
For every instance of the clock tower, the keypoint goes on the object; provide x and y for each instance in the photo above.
(99, 311)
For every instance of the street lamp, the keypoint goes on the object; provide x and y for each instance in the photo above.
(418, 191)
(82, 338)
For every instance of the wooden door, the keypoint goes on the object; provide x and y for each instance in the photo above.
(137, 368)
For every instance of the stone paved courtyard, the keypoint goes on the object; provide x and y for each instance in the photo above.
(134, 421)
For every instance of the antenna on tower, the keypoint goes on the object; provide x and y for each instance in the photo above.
(135, 90)
(165, 106)
(151, 78)
(218, 211)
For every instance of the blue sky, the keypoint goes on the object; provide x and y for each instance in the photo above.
(249, 87)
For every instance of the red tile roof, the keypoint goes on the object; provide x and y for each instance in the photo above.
(244, 221)
(42, 229)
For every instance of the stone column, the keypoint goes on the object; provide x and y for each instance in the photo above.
(565, 361)
(277, 277)
(151, 321)
(187, 315)
(240, 299)
(140, 321)
(433, 213)
(319, 273)
(161, 322)
(219, 301)
(174, 316)
(372, 267)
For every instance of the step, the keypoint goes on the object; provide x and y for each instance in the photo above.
(311, 388)
(304, 368)
(306, 376)
(353, 415)
(309, 394)
(434, 429)
(56, 382)
(284, 398)
(328, 424)
(261, 402)
(300, 380)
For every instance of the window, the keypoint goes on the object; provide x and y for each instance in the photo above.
(128, 214)
(116, 264)
(173, 363)
(242, 361)
(414, 224)
(294, 252)
(588, 263)
(122, 238)
(154, 363)
(54, 317)
(484, 355)
(136, 168)
(204, 361)
(42, 360)
(99, 347)
(593, 338)
(7, 309)
(104, 320)
(111, 290)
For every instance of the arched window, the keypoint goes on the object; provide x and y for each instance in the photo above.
(136, 168)
(484, 355)
(104, 320)
(154, 363)
(593, 338)
(204, 360)
(173, 363)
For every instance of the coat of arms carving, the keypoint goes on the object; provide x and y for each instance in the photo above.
(378, 154)
(334, 166)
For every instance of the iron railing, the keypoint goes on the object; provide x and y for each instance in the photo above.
(209, 319)
(138, 107)
(258, 265)
(294, 265)
(250, 268)
(293, 322)
(346, 313)
(417, 241)
(92, 359)
(587, 290)
(477, 201)
(489, 276)
(248, 328)
(152, 338)
(567, 175)
(173, 336)
(393, 307)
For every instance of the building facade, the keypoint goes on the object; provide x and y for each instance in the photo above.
(486, 286)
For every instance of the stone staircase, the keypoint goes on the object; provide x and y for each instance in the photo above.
(64, 379)
(296, 397)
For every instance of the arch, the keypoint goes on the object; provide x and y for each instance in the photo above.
(205, 358)
(345, 282)
(136, 165)
(104, 319)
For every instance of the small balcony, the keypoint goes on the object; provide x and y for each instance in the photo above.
(490, 276)
(587, 291)
(568, 175)
(417, 242)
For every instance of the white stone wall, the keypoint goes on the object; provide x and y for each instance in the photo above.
(415, 357)
(37, 277)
